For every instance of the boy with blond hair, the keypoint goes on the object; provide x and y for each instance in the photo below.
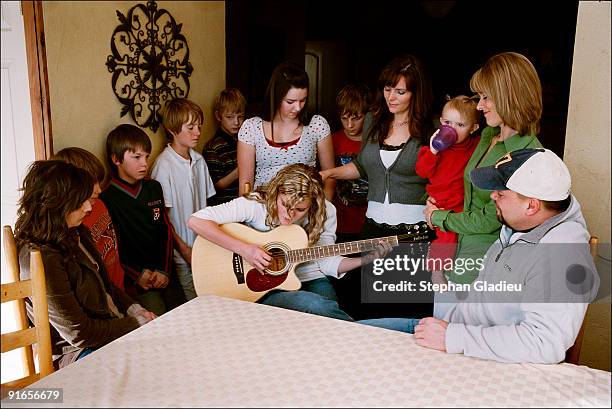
(185, 181)
(221, 151)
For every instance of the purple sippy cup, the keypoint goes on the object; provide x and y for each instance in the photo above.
(446, 137)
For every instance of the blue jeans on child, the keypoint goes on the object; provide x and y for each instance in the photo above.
(316, 297)
(396, 324)
(185, 276)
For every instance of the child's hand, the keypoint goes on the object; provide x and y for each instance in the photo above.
(161, 280)
(142, 316)
(431, 148)
(324, 174)
(256, 256)
(146, 280)
(430, 207)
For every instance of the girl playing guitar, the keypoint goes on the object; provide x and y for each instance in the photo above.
(294, 196)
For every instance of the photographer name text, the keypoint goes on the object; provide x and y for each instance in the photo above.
(428, 286)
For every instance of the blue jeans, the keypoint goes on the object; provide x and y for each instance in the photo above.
(85, 352)
(321, 286)
(316, 297)
(396, 324)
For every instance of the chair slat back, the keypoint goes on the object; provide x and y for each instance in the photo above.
(12, 263)
(18, 339)
(25, 336)
(41, 314)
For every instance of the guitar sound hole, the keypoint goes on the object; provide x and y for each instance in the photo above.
(278, 261)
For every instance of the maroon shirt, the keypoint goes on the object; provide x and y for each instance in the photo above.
(351, 197)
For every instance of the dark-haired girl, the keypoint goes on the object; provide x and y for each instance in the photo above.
(85, 310)
(284, 134)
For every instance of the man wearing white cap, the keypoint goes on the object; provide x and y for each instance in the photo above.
(529, 300)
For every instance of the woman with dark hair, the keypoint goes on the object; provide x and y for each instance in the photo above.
(399, 125)
(85, 310)
(284, 134)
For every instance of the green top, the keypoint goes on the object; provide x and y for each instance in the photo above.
(477, 226)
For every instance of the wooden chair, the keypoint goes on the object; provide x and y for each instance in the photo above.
(17, 290)
(572, 355)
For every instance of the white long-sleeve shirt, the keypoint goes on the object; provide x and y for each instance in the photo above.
(253, 214)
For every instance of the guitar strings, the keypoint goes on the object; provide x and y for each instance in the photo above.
(417, 237)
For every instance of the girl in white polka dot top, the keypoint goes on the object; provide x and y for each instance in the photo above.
(283, 135)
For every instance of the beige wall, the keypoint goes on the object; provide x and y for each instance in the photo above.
(587, 154)
(84, 107)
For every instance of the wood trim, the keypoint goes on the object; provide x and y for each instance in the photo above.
(37, 73)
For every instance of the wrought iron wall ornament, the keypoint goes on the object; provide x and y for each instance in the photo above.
(149, 62)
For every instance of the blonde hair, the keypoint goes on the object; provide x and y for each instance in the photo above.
(177, 113)
(230, 100)
(466, 107)
(298, 182)
(512, 82)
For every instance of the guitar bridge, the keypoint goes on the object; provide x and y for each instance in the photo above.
(238, 268)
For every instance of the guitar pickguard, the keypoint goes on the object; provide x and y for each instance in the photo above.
(258, 282)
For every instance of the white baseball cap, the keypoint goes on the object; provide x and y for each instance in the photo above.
(537, 173)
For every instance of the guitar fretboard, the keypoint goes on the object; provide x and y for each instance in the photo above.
(340, 249)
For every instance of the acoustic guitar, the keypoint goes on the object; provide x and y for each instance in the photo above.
(222, 272)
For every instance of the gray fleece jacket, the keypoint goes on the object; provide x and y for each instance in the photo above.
(557, 277)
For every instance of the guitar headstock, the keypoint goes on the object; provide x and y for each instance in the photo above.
(416, 233)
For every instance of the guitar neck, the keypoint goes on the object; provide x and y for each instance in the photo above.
(340, 249)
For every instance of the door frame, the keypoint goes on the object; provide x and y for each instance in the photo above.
(36, 54)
